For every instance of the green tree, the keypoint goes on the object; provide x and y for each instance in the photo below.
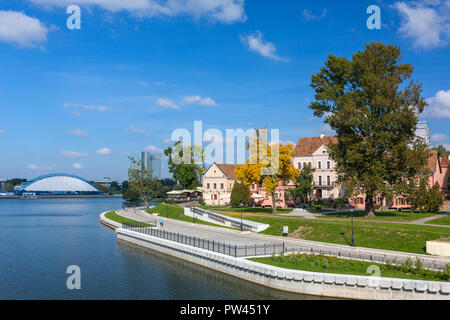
(184, 164)
(373, 117)
(240, 194)
(442, 152)
(141, 181)
(303, 190)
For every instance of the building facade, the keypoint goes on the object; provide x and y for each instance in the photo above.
(314, 151)
(437, 171)
(217, 182)
(152, 161)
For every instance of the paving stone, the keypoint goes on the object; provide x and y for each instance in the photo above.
(385, 284)
(397, 284)
(329, 279)
(298, 276)
(308, 277)
(434, 287)
(350, 281)
(445, 288)
(421, 286)
(340, 280)
(318, 278)
(408, 285)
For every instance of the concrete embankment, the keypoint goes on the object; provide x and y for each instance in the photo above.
(303, 282)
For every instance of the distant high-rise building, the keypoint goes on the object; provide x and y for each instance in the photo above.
(152, 162)
(423, 131)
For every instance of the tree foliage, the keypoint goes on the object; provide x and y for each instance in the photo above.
(267, 167)
(301, 195)
(141, 181)
(186, 164)
(240, 194)
(365, 102)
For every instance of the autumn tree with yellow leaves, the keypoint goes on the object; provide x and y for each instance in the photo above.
(267, 165)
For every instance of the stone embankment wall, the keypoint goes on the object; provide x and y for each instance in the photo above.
(303, 282)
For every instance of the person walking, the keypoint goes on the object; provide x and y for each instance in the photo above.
(161, 222)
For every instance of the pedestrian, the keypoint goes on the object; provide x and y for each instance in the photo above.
(161, 222)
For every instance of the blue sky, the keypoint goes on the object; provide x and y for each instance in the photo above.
(80, 101)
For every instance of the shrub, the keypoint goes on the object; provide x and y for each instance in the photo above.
(240, 194)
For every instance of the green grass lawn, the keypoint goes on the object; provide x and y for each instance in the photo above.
(402, 216)
(115, 217)
(246, 211)
(396, 237)
(441, 221)
(177, 213)
(323, 264)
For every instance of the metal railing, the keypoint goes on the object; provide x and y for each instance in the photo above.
(222, 219)
(232, 250)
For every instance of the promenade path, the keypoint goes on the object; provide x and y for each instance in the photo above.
(236, 237)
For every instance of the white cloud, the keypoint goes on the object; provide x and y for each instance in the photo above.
(104, 151)
(427, 23)
(77, 133)
(167, 103)
(78, 107)
(225, 11)
(439, 105)
(143, 84)
(255, 42)
(2, 131)
(439, 137)
(18, 29)
(77, 165)
(133, 129)
(206, 102)
(72, 154)
(308, 15)
(35, 167)
(153, 149)
(159, 83)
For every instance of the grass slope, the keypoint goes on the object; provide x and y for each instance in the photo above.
(396, 237)
(112, 215)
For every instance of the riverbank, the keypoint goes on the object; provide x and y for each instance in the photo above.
(296, 281)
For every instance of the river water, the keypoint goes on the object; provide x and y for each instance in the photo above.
(40, 238)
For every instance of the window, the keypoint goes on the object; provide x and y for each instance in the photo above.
(215, 186)
(207, 186)
(319, 165)
(380, 200)
(299, 165)
(320, 180)
(310, 164)
(360, 200)
(329, 180)
(400, 201)
(221, 186)
(328, 165)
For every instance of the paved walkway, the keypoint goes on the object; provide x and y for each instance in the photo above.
(230, 236)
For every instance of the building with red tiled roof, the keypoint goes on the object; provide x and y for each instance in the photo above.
(314, 151)
(217, 182)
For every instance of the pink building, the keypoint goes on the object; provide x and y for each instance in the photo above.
(263, 199)
(438, 173)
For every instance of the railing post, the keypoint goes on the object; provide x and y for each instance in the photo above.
(255, 251)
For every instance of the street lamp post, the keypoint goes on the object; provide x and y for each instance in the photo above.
(193, 216)
(241, 215)
(353, 240)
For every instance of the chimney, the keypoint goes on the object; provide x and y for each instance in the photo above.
(322, 135)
